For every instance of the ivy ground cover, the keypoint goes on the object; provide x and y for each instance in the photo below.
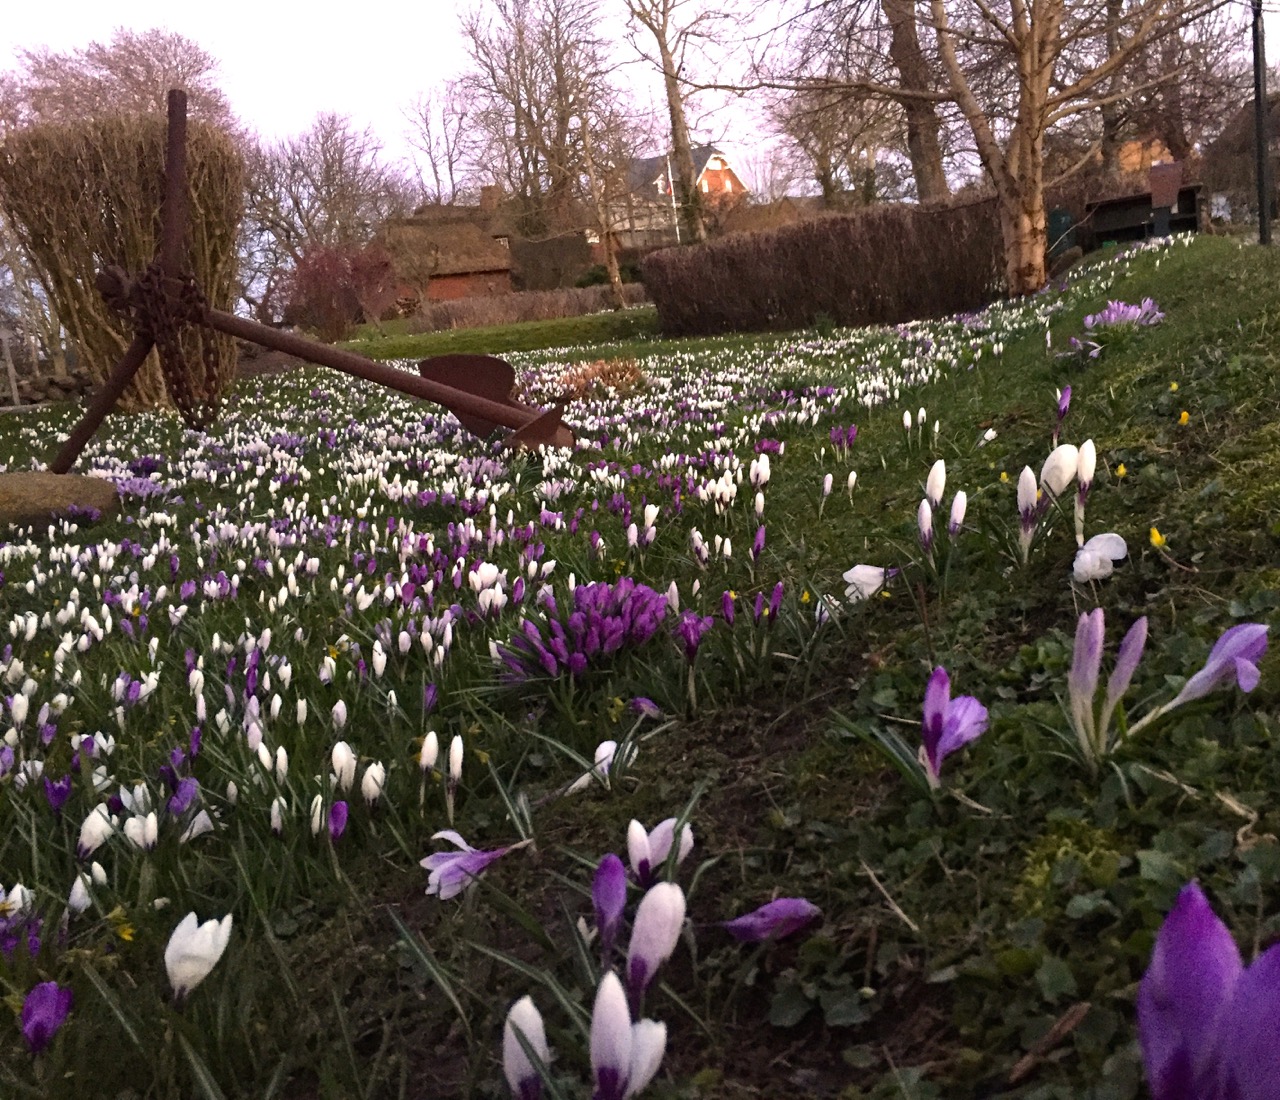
(845, 716)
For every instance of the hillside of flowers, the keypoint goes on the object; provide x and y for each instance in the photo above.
(879, 713)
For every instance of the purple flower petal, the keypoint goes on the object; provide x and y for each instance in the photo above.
(43, 1012)
(773, 920)
(609, 897)
(1194, 968)
(1234, 656)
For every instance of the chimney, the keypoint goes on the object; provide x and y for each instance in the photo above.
(490, 196)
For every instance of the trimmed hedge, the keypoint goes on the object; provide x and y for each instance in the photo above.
(883, 265)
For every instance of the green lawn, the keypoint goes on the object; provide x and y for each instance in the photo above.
(595, 328)
(982, 940)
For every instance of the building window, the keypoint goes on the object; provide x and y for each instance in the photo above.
(504, 241)
(706, 184)
(728, 184)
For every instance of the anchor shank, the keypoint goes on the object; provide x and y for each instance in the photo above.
(508, 415)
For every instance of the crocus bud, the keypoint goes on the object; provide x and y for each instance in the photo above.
(924, 525)
(429, 752)
(654, 936)
(277, 815)
(522, 1076)
(610, 1040)
(344, 765)
(95, 830)
(936, 484)
(193, 951)
(455, 759)
(375, 777)
(609, 897)
(1059, 469)
(78, 900)
(958, 505)
(339, 714)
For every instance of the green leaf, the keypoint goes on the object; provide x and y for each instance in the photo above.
(204, 1078)
(789, 1006)
(1055, 979)
(844, 1007)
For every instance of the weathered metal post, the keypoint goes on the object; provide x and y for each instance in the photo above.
(1262, 139)
(172, 226)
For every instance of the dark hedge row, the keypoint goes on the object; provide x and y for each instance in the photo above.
(879, 266)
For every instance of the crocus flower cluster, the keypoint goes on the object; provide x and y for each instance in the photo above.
(1206, 1022)
(604, 618)
(1234, 658)
(1119, 313)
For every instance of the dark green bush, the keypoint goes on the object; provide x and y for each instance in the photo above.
(882, 265)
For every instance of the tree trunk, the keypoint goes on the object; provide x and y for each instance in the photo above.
(681, 150)
(604, 223)
(923, 125)
(1111, 110)
(1024, 231)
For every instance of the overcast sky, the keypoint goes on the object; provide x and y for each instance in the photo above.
(282, 64)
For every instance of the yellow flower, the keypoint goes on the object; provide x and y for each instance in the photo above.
(333, 653)
(805, 597)
(1173, 387)
(1004, 476)
(1121, 471)
(1184, 417)
(1157, 540)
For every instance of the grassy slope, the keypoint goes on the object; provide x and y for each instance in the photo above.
(1002, 918)
(596, 328)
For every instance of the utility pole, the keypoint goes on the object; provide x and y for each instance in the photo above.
(1262, 138)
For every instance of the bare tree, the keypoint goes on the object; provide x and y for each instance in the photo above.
(835, 51)
(838, 135)
(130, 74)
(440, 124)
(326, 188)
(671, 29)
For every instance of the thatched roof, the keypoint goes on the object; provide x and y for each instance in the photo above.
(446, 241)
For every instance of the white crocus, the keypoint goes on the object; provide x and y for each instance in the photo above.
(1059, 469)
(936, 484)
(375, 778)
(1095, 559)
(193, 951)
(343, 759)
(863, 582)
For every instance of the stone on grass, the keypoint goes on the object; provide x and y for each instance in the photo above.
(33, 498)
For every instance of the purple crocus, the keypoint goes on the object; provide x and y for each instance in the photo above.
(689, 629)
(1091, 728)
(948, 724)
(186, 793)
(1206, 1023)
(43, 1012)
(338, 814)
(1234, 656)
(57, 792)
(609, 898)
(449, 872)
(773, 920)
